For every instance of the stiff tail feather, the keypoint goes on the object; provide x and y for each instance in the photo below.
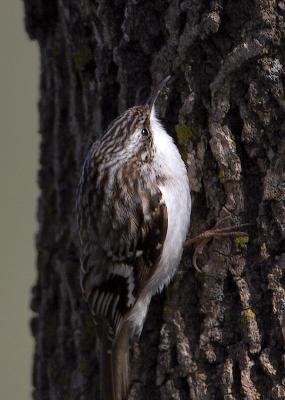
(114, 366)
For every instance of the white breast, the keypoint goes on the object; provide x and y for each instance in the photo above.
(176, 194)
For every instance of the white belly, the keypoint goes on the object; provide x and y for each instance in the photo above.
(176, 194)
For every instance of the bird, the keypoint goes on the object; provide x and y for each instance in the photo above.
(134, 208)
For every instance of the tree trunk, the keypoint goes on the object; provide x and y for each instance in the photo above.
(219, 334)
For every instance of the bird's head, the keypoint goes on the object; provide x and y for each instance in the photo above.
(131, 134)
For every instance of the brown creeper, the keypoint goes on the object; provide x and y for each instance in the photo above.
(133, 210)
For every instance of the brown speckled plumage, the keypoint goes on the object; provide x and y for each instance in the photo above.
(122, 220)
(127, 178)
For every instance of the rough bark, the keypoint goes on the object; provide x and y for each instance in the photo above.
(215, 335)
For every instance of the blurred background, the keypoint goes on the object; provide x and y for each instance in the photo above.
(19, 72)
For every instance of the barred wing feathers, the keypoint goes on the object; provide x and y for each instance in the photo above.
(122, 239)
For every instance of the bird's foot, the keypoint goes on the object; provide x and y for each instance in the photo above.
(203, 238)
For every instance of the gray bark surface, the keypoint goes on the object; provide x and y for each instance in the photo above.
(215, 335)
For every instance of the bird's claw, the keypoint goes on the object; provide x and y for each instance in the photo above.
(203, 238)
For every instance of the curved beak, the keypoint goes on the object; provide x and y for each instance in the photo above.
(156, 92)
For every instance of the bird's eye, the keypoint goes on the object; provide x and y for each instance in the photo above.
(144, 132)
